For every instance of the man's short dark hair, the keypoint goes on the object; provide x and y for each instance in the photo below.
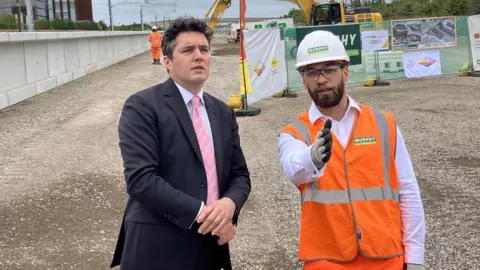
(181, 25)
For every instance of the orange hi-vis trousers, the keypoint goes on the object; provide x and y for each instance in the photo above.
(359, 263)
(155, 53)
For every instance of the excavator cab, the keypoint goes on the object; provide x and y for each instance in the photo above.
(325, 14)
(313, 12)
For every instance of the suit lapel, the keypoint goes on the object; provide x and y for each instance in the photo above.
(176, 103)
(213, 117)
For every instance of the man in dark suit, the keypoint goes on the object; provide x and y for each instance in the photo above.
(185, 171)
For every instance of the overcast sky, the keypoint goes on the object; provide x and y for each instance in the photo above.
(129, 13)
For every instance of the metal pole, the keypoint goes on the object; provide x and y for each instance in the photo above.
(285, 43)
(110, 13)
(243, 56)
(156, 23)
(47, 10)
(19, 17)
(30, 25)
(243, 67)
(141, 17)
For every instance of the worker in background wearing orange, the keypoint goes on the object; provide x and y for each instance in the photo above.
(155, 39)
(361, 205)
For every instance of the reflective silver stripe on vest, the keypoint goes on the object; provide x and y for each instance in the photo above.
(384, 130)
(313, 194)
(341, 196)
(303, 130)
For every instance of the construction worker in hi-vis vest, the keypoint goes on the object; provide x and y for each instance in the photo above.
(155, 39)
(361, 205)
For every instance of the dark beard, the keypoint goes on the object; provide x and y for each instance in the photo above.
(328, 101)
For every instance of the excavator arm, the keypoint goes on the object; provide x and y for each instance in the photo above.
(305, 6)
(218, 7)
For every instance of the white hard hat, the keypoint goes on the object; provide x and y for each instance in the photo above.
(320, 46)
(154, 28)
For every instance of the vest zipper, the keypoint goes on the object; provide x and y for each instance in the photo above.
(358, 233)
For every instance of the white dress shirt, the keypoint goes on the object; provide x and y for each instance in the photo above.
(296, 162)
(187, 97)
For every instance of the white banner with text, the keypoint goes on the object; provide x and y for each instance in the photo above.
(375, 40)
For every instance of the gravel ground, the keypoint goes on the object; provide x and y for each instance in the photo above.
(61, 186)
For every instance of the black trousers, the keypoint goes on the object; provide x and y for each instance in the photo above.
(207, 254)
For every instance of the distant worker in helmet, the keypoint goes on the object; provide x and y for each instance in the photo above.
(360, 202)
(155, 39)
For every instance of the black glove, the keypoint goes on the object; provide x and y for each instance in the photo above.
(322, 146)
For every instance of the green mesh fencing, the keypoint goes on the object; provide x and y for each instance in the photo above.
(387, 65)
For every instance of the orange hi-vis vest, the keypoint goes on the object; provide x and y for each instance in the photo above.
(354, 207)
(155, 39)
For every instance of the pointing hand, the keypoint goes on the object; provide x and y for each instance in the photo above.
(322, 147)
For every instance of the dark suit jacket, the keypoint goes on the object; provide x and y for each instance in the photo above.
(166, 180)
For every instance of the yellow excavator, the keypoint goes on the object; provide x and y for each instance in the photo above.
(314, 12)
(334, 13)
(218, 7)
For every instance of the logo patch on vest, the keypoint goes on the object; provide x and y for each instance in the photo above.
(364, 140)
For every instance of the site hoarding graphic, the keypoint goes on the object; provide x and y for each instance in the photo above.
(423, 33)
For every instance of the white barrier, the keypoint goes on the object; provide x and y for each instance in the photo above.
(32, 63)
(388, 62)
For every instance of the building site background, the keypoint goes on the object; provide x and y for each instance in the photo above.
(62, 191)
(388, 64)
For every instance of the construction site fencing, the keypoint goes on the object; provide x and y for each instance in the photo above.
(380, 65)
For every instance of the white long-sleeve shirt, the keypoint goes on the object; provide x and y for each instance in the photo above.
(296, 162)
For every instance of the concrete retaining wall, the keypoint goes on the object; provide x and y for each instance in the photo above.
(32, 63)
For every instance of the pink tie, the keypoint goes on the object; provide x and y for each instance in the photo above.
(206, 148)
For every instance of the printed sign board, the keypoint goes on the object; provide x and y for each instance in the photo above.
(423, 63)
(375, 40)
(420, 34)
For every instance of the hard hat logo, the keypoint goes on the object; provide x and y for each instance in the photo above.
(319, 49)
